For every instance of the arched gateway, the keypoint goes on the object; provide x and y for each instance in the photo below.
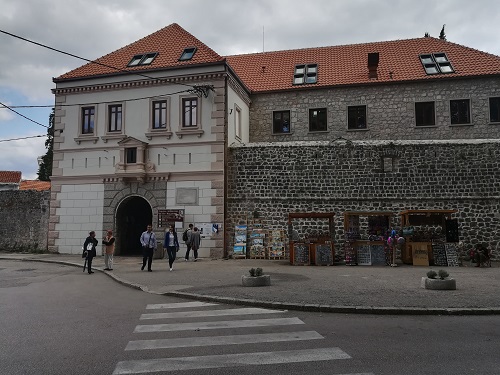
(132, 216)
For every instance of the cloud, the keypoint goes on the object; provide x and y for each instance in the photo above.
(22, 156)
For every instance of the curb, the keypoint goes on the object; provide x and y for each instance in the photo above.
(289, 305)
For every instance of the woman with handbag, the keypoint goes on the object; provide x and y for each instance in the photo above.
(89, 247)
(171, 243)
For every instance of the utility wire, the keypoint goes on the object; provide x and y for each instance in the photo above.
(20, 114)
(18, 139)
(84, 59)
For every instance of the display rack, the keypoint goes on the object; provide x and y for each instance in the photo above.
(276, 247)
(257, 240)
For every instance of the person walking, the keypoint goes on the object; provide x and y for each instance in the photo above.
(148, 242)
(109, 242)
(195, 242)
(171, 243)
(186, 237)
(89, 246)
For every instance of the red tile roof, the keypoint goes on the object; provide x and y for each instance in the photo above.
(10, 177)
(34, 185)
(169, 42)
(347, 64)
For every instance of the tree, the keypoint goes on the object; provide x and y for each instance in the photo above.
(442, 35)
(45, 168)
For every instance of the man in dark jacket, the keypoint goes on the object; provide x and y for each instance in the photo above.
(89, 247)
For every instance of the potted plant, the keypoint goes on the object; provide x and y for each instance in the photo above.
(256, 278)
(438, 281)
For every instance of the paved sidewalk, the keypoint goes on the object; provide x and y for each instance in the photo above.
(344, 289)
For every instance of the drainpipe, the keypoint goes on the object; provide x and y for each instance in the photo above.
(225, 254)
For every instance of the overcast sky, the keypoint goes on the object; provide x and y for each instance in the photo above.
(92, 28)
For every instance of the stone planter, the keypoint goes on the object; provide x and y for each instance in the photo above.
(438, 284)
(264, 280)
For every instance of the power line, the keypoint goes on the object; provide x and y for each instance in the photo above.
(20, 114)
(18, 139)
(84, 59)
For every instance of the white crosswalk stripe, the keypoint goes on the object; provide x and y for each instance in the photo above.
(169, 327)
(229, 360)
(222, 340)
(204, 313)
(190, 310)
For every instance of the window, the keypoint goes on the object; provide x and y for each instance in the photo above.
(317, 120)
(190, 107)
(435, 63)
(425, 114)
(187, 54)
(305, 74)
(88, 115)
(115, 118)
(131, 155)
(494, 109)
(460, 111)
(143, 59)
(159, 114)
(237, 123)
(356, 117)
(281, 122)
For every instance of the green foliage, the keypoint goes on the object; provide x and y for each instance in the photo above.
(258, 272)
(427, 35)
(443, 274)
(252, 271)
(431, 274)
(45, 168)
(442, 35)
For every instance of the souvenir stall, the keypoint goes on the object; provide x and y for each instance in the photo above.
(365, 238)
(431, 237)
(311, 238)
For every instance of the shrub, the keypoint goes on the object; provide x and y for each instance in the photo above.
(258, 272)
(443, 274)
(252, 271)
(431, 274)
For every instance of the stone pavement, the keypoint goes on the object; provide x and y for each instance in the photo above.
(340, 288)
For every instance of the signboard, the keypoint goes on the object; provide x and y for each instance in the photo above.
(300, 254)
(364, 255)
(420, 254)
(170, 217)
(439, 254)
(324, 254)
(207, 230)
(451, 254)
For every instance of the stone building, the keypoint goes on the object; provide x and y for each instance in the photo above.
(166, 123)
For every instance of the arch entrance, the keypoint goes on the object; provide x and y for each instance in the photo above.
(132, 217)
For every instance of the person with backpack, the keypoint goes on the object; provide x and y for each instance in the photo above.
(186, 237)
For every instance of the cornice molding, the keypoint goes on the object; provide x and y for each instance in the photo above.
(235, 85)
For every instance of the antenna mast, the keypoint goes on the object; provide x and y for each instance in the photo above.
(262, 38)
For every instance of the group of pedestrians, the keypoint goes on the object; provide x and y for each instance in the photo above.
(191, 238)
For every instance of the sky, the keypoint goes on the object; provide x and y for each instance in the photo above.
(93, 28)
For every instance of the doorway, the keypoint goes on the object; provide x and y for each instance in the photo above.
(132, 217)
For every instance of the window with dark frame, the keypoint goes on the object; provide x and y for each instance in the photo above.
(425, 114)
(143, 59)
(190, 108)
(356, 117)
(281, 122)
(131, 155)
(460, 111)
(317, 120)
(187, 54)
(305, 74)
(494, 109)
(115, 118)
(88, 114)
(435, 63)
(159, 114)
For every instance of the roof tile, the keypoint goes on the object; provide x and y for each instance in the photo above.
(10, 177)
(34, 185)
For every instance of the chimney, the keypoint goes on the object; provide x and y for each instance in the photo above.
(373, 65)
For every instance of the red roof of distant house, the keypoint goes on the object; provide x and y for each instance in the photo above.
(10, 177)
(399, 61)
(34, 185)
(169, 42)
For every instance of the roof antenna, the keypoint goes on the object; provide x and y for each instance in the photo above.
(262, 38)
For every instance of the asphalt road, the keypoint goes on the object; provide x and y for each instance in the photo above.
(55, 319)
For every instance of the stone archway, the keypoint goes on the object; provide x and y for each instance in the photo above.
(132, 216)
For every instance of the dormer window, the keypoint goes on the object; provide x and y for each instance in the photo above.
(144, 59)
(435, 63)
(305, 74)
(187, 54)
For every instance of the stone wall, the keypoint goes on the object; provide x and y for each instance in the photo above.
(390, 111)
(25, 216)
(275, 179)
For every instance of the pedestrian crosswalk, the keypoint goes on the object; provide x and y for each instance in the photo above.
(210, 317)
